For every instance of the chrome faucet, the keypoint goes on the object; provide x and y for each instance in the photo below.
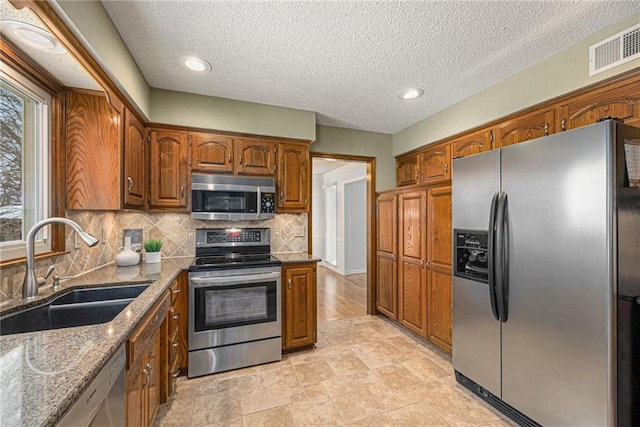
(31, 282)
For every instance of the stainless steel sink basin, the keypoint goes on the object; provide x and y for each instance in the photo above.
(76, 308)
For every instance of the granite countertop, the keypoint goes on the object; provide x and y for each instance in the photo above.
(295, 257)
(43, 373)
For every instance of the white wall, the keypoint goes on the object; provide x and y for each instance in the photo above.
(355, 218)
(317, 225)
(341, 176)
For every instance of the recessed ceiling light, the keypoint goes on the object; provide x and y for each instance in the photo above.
(196, 64)
(30, 35)
(412, 93)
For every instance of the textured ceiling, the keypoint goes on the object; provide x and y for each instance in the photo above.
(62, 66)
(349, 60)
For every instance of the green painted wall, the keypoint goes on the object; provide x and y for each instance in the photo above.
(334, 140)
(95, 26)
(209, 112)
(560, 74)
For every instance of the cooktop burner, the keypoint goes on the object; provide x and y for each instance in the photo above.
(219, 248)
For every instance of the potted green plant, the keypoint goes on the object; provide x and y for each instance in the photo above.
(152, 250)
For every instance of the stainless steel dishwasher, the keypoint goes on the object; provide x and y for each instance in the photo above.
(103, 402)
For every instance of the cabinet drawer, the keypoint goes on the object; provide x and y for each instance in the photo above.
(175, 292)
(137, 343)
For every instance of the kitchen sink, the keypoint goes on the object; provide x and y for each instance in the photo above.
(81, 307)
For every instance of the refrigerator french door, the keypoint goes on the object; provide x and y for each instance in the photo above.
(536, 334)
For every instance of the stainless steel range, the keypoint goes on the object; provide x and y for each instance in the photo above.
(234, 301)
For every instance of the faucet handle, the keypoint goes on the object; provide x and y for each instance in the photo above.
(49, 271)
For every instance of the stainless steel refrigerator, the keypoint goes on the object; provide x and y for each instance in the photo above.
(546, 286)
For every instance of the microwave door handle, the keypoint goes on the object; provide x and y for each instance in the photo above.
(259, 202)
(235, 279)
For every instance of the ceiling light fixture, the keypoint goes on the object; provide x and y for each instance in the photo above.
(196, 64)
(31, 35)
(412, 93)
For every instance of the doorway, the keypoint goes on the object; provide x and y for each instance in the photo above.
(343, 183)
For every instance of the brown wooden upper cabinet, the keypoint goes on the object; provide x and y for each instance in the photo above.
(619, 100)
(255, 156)
(407, 172)
(93, 152)
(293, 177)
(135, 161)
(473, 143)
(532, 125)
(169, 178)
(387, 263)
(211, 153)
(435, 164)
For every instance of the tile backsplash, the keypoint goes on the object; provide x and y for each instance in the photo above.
(176, 230)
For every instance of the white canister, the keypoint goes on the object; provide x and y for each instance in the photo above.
(152, 257)
(127, 256)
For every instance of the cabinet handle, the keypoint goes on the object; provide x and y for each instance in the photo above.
(289, 283)
(130, 183)
(546, 128)
(176, 373)
(421, 263)
(281, 194)
(417, 174)
(240, 158)
(175, 344)
(146, 374)
(229, 157)
(428, 264)
(176, 291)
(563, 124)
(176, 316)
(446, 168)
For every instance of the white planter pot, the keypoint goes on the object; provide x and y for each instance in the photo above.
(152, 257)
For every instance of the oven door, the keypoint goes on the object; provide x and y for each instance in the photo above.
(234, 306)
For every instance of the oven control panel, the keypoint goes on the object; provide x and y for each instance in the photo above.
(234, 236)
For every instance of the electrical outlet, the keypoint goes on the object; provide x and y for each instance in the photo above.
(136, 237)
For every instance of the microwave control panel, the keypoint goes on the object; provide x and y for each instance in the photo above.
(268, 203)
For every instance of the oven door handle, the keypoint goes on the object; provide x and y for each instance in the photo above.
(248, 278)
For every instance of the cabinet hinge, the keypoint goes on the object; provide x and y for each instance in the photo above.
(275, 148)
(491, 136)
(148, 138)
(189, 141)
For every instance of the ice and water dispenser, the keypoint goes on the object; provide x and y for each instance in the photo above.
(471, 251)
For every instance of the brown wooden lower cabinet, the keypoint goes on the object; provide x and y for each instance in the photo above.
(299, 308)
(177, 331)
(440, 319)
(146, 366)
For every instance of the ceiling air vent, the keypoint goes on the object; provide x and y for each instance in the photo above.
(616, 50)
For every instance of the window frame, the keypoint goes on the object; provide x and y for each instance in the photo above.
(14, 58)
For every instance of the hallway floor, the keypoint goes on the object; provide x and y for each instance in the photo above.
(365, 371)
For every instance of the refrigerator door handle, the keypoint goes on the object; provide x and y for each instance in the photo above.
(499, 254)
(491, 257)
(503, 301)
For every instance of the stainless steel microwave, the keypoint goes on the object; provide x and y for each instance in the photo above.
(232, 198)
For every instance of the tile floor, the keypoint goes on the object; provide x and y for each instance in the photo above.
(365, 371)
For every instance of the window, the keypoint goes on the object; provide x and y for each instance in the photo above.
(24, 162)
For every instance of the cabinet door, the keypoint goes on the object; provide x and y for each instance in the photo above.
(523, 128)
(435, 164)
(211, 153)
(255, 157)
(134, 171)
(412, 290)
(474, 143)
(152, 364)
(293, 178)
(620, 101)
(300, 312)
(387, 280)
(439, 263)
(407, 172)
(93, 152)
(168, 170)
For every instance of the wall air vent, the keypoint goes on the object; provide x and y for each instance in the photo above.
(616, 50)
